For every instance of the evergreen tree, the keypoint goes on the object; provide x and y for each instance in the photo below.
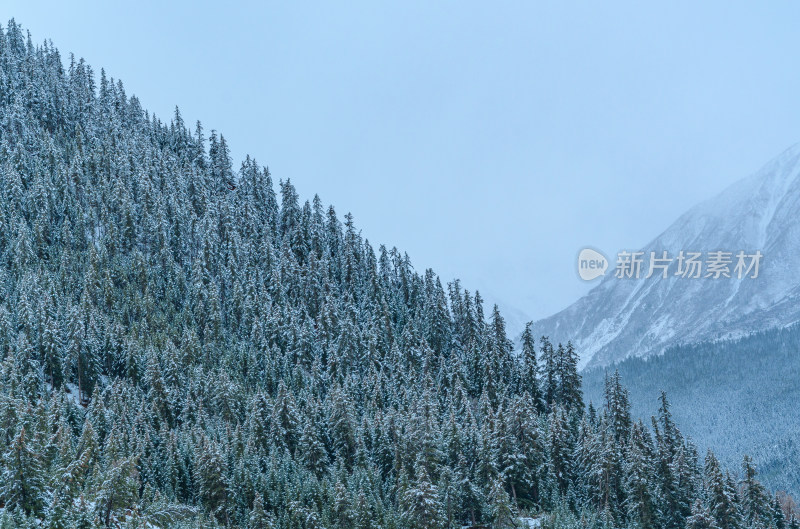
(530, 369)
(550, 372)
(259, 518)
(755, 502)
(618, 407)
(700, 518)
(421, 506)
(22, 486)
(118, 488)
(501, 509)
(212, 483)
(570, 394)
(640, 500)
(721, 499)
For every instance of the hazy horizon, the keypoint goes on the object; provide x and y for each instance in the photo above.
(491, 143)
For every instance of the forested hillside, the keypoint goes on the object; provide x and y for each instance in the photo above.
(180, 347)
(749, 394)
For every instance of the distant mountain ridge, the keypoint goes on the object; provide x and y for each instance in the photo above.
(620, 318)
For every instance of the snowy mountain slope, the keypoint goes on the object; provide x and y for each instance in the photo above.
(639, 317)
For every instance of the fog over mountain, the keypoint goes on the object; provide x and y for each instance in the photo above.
(620, 318)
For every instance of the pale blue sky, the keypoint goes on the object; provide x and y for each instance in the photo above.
(491, 141)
